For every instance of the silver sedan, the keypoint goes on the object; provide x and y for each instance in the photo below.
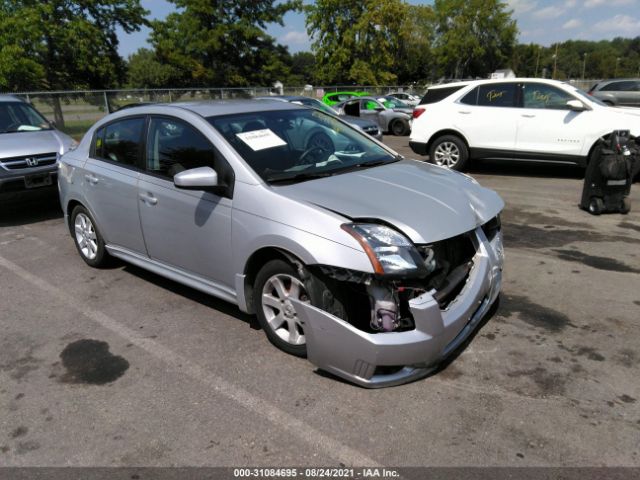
(374, 267)
(388, 119)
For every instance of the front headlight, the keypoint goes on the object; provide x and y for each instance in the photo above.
(390, 252)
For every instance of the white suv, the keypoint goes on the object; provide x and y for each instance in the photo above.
(517, 119)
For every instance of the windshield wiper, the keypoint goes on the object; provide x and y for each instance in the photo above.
(299, 177)
(375, 163)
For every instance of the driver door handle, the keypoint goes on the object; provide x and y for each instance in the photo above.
(148, 198)
(464, 112)
(92, 179)
(528, 115)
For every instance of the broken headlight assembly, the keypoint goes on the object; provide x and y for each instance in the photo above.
(390, 252)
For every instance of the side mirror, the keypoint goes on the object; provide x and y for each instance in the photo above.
(202, 178)
(576, 106)
(52, 123)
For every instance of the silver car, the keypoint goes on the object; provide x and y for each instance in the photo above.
(389, 120)
(373, 266)
(621, 92)
(29, 147)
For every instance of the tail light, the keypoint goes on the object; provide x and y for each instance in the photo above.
(417, 112)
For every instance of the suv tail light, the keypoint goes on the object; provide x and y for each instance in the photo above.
(417, 112)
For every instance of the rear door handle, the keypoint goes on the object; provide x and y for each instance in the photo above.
(528, 115)
(148, 198)
(464, 112)
(92, 179)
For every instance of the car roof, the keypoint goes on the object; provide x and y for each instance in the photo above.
(284, 98)
(498, 80)
(10, 98)
(213, 108)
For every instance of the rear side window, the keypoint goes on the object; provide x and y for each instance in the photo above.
(497, 95)
(625, 86)
(435, 95)
(120, 141)
(471, 98)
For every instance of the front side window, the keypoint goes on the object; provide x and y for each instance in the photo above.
(120, 141)
(300, 144)
(371, 105)
(21, 117)
(540, 95)
(497, 95)
(174, 146)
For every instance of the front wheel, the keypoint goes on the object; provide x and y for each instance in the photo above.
(449, 151)
(87, 238)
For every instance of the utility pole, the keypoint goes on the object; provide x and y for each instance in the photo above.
(615, 75)
(555, 63)
(537, 62)
(584, 64)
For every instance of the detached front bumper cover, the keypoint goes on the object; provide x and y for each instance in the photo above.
(338, 347)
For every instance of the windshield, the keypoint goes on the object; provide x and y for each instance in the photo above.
(392, 102)
(301, 144)
(21, 117)
(313, 103)
(595, 100)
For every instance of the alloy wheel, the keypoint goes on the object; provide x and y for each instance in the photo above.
(447, 154)
(278, 310)
(86, 236)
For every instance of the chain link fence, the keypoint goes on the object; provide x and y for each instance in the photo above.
(75, 111)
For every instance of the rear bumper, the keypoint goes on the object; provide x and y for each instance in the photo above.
(338, 347)
(418, 147)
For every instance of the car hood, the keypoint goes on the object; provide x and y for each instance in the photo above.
(33, 143)
(427, 203)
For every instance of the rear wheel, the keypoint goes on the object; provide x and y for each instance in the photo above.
(399, 128)
(596, 206)
(449, 151)
(87, 238)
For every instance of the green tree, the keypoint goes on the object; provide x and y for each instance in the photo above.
(144, 70)
(63, 45)
(223, 42)
(303, 65)
(356, 40)
(473, 37)
(415, 59)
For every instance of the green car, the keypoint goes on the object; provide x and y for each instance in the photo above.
(337, 97)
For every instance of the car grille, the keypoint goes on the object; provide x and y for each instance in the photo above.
(28, 161)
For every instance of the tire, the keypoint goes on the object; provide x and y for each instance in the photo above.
(609, 103)
(321, 140)
(449, 151)
(626, 206)
(87, 238)
(399, 128)
(596, 206)
(279, 320)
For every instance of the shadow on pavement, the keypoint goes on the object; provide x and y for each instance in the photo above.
(192, 294)
(31, 207)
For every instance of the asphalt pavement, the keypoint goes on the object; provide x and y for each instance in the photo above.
(120, 367)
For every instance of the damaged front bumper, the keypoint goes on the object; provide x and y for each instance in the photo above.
(338, 347)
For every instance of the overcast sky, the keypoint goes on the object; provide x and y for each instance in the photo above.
(539, 21)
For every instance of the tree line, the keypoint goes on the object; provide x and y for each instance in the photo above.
(67, 45)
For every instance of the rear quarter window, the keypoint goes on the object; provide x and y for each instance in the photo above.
(434, 95)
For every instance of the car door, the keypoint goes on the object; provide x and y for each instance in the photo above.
(110, 182)
(186, 229)
(487, 116)
(547, 127)
(370, 110)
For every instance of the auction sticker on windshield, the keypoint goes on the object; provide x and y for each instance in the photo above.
(261, 139)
